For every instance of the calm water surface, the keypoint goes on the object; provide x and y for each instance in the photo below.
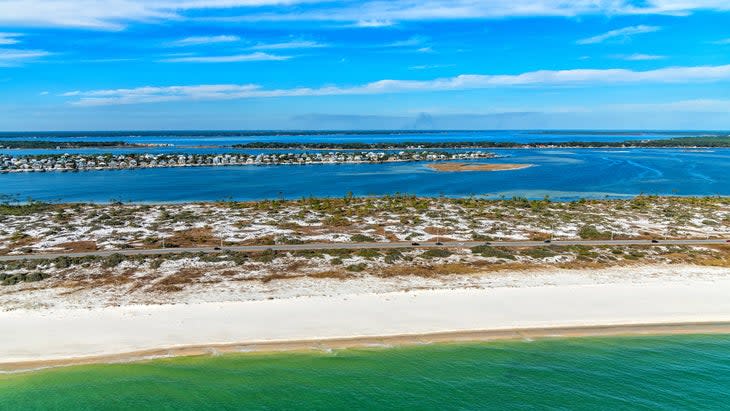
(561, 174)
(646, 373)
(210, 139)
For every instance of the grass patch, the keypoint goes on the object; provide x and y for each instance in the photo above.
(488, 251)
(437, 253)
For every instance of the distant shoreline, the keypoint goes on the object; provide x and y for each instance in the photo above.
(329, 132)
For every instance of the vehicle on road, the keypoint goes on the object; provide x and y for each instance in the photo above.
(415, 244)
(654, 241)
(439, 243)
(216, 248)
(548, 241)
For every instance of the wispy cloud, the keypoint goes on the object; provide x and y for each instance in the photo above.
(430, 66)
(108, 60)
(641, 57)
(13, 57)
(116, 14)
(415, 43)
(373, 23)
(623, 33)
(420, 10)
(258, 56)
(542, 78)
(196, 41)
(722, 42)
(112, 14)
(289, 45)
(9, 38)
(410, 42)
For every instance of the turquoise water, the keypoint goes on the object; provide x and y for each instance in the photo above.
(652, 373)
(561, 174)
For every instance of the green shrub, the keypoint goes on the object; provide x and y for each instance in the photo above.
(393, 256)
(62, 262)
(589, 232)
(361, 238)
(239, 258)
(437, 253)
(11, 280)
(540, 252)
(112, 261)
(487, 251)
(267, 256)
(357, 268)
(34, 277)
(18, 235)
(369, 254)
(341, 253)
(288, 240)
(308, 253)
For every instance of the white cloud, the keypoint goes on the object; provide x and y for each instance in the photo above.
(227, 59)
(13, 57)
(542, 78)
(410, 42)
(258, 56)
(642, 57)
(722, 42)
(289, 45)
(415, 10)
(9, 38)
(115, 14)
(196, 41)
(373, 23)
(624, 33)
(430, 66)
(112, 14)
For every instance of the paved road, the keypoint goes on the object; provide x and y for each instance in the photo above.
(360, 246)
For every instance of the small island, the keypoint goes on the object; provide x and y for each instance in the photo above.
(714, 141)
(477, 167)
(88, 162)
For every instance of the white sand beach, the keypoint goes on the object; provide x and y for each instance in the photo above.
(61, 336)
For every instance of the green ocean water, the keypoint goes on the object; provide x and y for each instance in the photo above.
(669, 373)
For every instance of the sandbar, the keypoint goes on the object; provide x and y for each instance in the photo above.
(451, 166)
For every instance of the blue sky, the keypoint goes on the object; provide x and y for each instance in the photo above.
(315, 64)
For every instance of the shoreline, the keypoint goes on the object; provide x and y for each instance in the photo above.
(263, 164)
(375, 342)
(139, 332)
